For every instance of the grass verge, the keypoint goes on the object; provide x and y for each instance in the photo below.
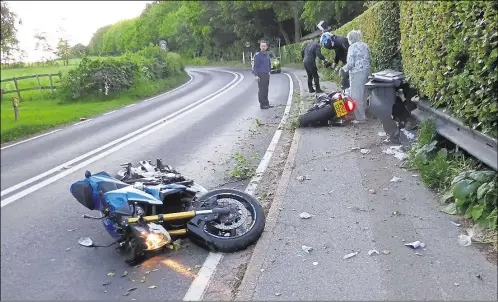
(468, 186)
(39, 115)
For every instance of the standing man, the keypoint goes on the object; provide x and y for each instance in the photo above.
(261, 69)
(309, 52)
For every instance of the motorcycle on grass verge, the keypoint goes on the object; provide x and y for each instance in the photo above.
(143, 219)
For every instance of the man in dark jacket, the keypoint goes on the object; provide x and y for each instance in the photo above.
(309, 53)
(261, 69)
(339, 44)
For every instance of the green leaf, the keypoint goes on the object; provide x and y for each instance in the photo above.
(450, 209)
(468, 213)
(482, 190)
(459, 178)
(477, 212)
(482, 176)
(463, 189)
(446, 196)
(443, 153)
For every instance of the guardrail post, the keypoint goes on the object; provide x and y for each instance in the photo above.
(51, 84)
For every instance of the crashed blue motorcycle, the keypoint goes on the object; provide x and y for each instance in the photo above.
(145, 218)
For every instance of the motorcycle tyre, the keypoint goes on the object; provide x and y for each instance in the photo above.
(240, 243)
(318, 116)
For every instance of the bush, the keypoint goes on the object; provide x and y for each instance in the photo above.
(103, 77)
(379, 26)
(450, 55)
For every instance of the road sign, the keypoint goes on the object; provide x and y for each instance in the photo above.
(248, 44)
(320, 25)
(163, 44)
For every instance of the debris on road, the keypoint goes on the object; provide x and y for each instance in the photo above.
(410, 136)
(418, 254)
(152, 286)
(396, 213)
(365, 151)
(305, 215)
(71, 230)
(111, 274)
(68, 249)
(479, 277)
(415, 245)
(455, 224)
(386, 252)
(350, 255)
(396, 151)
(395, 179)
(382, 134)
(307, 249)
(372, 191)
(278, 294)
(124, 274)
(315, 263)
(355, 148)
(303, 178)
(371, 252)
(106, 283)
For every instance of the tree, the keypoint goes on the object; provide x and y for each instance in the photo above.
(8, 31)
(78, 51)
(42, 43)
(63, 51)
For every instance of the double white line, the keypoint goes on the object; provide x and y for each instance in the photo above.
(118, 144)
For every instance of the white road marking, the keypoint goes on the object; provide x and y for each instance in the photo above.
(131, 105)
(30, 139)
(82, 122)
(130, 138)
(79, 158)
(110, 112)
(201, 282)
(35, 137)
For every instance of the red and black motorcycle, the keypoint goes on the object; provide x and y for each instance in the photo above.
(329, 109)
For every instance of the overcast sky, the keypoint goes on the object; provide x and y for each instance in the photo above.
(80, 19)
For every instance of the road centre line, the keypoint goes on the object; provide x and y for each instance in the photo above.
(133, 136)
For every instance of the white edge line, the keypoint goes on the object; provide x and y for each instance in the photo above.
(29, 139)
(35, 137)
(110, 112)
(81, 157)
(131, 105)
(82, 122)
(201, 282)
(159, 124)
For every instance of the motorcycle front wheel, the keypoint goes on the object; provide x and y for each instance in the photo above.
(235, 232)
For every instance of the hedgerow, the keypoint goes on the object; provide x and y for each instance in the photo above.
(103, 77)
(450, 55)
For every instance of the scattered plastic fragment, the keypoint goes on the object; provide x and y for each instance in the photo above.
(307, 249)
(386, 252)
(372, 191)
(371, 252)
(408, 134)
(365, 151)
(396, 151)
(382, 134)
(305, 215)
(415, 245)
(315, 263)
(278, 294)
(350, 255)
(395, 179)
(455, 224)
(303, 178)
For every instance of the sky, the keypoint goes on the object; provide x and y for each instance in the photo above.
(80, 19)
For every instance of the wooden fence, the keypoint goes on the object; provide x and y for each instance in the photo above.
(39, 87)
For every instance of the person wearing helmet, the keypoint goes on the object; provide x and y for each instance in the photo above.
(339, 44)
(309, 52)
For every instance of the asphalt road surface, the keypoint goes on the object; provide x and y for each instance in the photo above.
(191, 128)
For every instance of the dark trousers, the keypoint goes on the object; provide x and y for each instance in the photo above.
(264, 82)
(312, 72)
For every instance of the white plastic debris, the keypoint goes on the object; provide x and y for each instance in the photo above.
(455, 224)
(355, 148)
(301, 178)
(371, 252)
(365, 151)
(466, 240)
(408, 134)
(415, 245)
(307, 249)
(350, 255)
(315, 263)
(395, 179)
(396, 151)
(305, 215)
(382, 134)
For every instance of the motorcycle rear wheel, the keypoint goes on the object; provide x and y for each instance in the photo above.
(231, 244)
(317, 117)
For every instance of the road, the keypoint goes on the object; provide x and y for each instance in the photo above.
(191, 128)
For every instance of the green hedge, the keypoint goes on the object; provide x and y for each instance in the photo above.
(450, 55)
(379, 26)
(103, 77)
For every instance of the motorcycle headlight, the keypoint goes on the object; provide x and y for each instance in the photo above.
(155, 241)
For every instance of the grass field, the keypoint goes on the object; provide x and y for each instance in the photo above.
(38, 114)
